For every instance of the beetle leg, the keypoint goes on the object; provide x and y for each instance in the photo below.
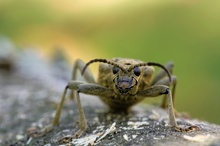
(88, 76)
(166, 82)
(56, 119)
(95, 89)
(82, 119)
(157, 90)
(88, 88)
(91, 89)
(160, 80)
(80, 87)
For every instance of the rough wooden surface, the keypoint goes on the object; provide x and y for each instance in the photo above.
(30, 92)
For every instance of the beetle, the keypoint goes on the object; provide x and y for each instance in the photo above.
(121, 83)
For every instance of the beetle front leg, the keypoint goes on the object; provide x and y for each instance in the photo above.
(82, 119)
(157, 90)
(80, 87)
(56, 120)
(166, 82)
(92, 89)
(160, 79)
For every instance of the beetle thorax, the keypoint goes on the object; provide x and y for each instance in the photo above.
(124, 79)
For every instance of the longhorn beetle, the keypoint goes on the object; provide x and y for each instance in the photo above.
(121, 83)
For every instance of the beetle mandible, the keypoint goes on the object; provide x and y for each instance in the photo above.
(121, 83)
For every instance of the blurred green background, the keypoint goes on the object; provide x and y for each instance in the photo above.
(186, 32)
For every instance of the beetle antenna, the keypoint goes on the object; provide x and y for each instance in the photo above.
(155, 64)
(103, 61)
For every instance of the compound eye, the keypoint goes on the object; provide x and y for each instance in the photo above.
(115, 70)
(137, 71)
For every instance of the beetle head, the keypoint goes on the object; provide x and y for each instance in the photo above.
(125, 78)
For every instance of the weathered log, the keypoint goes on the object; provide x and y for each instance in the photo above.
(28, 99)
